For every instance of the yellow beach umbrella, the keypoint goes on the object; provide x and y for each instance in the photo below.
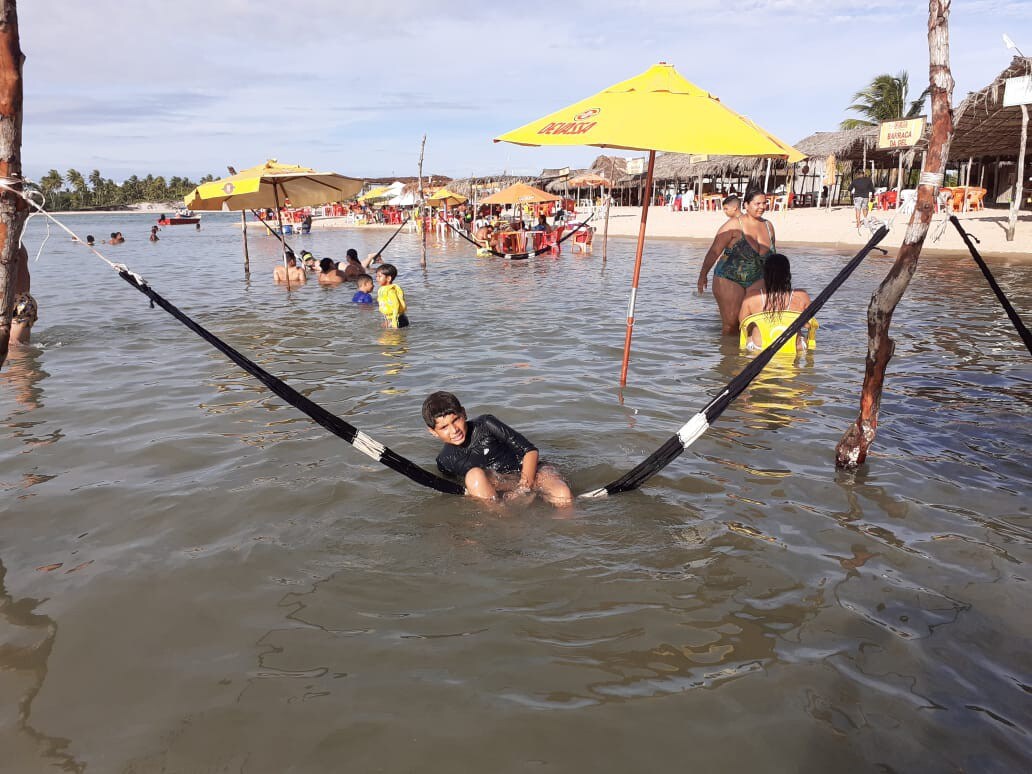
(520, 193)
(658, 110)
(269, 184)
(443, 197)
(382, 192)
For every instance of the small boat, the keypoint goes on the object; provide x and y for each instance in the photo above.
(180, 218)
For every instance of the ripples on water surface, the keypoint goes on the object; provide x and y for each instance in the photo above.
(198, 578)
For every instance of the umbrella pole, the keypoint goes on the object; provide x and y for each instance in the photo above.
(283, 241)
(243, 228)
(605, 229)
(637, 272)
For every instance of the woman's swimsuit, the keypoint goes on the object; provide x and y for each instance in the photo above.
(741, 263)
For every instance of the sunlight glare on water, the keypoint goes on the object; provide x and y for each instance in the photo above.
(196, 577)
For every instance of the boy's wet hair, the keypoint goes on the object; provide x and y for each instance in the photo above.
(440, 404)
(731, 200)
(327, 265)
(363, 278)
(388, 270)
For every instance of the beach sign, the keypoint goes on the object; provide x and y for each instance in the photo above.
(905, 133)
(1017, 91)
(636, 166)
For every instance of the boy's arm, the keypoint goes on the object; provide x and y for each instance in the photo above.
(529, 470)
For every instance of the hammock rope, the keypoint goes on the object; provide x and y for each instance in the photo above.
(1022, 330)
(342, 429)
(674, 446)
(520, 256)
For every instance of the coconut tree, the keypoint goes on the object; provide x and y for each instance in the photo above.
(885, 98)
(51, 182)
(78, 184)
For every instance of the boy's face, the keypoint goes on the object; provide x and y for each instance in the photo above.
(731, 210)
(451, 428)
(365, 286)
(382, 279)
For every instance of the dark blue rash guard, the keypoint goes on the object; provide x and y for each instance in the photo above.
(490, 444)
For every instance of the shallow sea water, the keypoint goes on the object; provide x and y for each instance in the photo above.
(196, 578)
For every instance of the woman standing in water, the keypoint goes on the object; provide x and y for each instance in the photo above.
(742, 245)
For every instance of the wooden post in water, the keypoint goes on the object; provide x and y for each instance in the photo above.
(13, 209)
(605, 229)
(422, 204)
(1012, 220)
(243, 228)
(852, 449)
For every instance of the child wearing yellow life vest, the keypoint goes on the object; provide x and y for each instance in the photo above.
(391, 298)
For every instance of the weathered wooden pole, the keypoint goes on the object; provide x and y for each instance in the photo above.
(422, 205)
(1012, 221)
(13, 209)
(852, 449)
(605, 229)
(243, 229)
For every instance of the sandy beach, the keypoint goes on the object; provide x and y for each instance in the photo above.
(826, 228)
(834, 228)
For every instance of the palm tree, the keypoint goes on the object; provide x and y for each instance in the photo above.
(884, 99)
(78, 184)
(51, 182)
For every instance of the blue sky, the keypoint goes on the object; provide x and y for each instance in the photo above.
(186, 88)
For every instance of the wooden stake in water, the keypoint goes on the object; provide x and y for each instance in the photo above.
(1012, 219)
(852, 449)
(422, 205)
(243, 228)
(13, 208)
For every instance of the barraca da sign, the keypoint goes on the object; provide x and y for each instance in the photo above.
(900, 134)
(581, 124)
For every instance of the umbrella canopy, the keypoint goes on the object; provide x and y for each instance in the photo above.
(269, 185)
(444, 197)
(656, 111)
(520, 193)
(589, 181)
(381, 192)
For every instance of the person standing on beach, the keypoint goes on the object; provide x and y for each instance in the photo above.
(862, 190)
(742, 246)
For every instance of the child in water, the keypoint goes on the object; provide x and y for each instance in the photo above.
(365, 286)
(391, 298)
(489, 455)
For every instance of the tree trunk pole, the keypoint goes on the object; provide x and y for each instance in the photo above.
(243, 228)
(605, 229)
(852, 449)
(13, 209)
(1012, 221)
(422, 205)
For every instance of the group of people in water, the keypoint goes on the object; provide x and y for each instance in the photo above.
(390, 298)
(752, 282)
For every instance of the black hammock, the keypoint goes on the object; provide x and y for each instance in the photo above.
(700, 423)
(334, 424)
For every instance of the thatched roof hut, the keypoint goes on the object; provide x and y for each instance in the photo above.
(982, 126)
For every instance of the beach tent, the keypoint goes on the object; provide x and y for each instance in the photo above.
(520, 193)
(269, 185)
(658, 110)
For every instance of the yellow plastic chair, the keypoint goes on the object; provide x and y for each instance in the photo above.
(771, 326)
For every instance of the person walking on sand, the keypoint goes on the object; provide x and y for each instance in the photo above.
(862, 191)
(742, 246)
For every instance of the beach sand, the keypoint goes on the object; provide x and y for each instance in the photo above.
(834, 228)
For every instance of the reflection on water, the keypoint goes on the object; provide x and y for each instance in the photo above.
(246, 593)
(26, 641)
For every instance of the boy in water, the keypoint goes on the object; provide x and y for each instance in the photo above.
(364, 283)
(391, 298)
(489, 455)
